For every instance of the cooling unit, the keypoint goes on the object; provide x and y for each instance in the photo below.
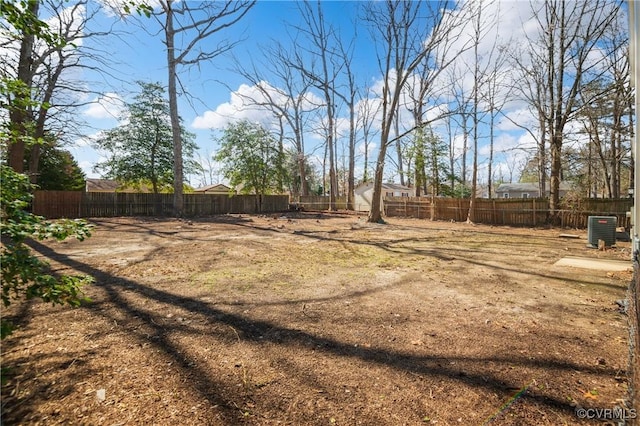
(602, 228)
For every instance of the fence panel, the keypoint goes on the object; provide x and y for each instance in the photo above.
(319, 202)
(76, 204)
(417, 207)
(275, 203)
(511, 212)
(58, 204)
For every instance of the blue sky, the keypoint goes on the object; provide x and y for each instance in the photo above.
(136, 52)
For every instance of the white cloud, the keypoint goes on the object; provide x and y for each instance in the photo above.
(253, 103)
(370, 109)
(109, 105)
(342, 127)
(502, 142)
(371, 148)
(72, 19)
(311, 101)
(87, 168)
(513, 120)
(246, 103)
(87, 140)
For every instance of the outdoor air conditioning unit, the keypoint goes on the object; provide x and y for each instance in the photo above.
(602, 228)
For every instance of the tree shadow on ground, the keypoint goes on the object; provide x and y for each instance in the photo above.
(259, 331)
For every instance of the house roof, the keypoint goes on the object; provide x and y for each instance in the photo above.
(101, 185)
(216, 187)
(507, 187)
(388, 186)
(108, 185)
(395, 187)
(528, 187)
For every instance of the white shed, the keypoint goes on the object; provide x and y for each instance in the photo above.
(363, 194)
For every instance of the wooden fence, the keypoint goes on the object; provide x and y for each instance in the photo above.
(77, 204)
(513, 212)
(319, 202)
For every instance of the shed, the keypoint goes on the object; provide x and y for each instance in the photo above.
(363, 194)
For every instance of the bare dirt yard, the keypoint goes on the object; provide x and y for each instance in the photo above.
(317, 319)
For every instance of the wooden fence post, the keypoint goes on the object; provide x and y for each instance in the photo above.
(493, 212)
(534, 212)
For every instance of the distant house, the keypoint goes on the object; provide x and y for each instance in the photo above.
(363, 194)
(108, 185)
(528, 190)
(101, 185)
(218, 188)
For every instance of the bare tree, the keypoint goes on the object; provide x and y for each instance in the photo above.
(495, 98)
(462, 114)
(349, 98)
(368, 110)
(616, 63)
(208, 169)
(192, 23)
(398, 139)
(449, 123)
(561, 56)
(480, 73)
(422, 95)
(49, 72)
(529, 82)
(404, 43)
(475, 111)
(604, 107)
(319, 65)
(287, 97)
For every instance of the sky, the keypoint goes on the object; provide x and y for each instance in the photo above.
(214, 88)
(135, 51)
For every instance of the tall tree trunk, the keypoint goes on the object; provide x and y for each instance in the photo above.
(333, 178)
(352, 158)
(178, 198)
(302, 171)
(542, 160)
(280, 179)
(396, 127)
(490, 170)
(465, 147)
(375, 215)
(615, 149)
(476, 120)
(19, 115)
(556, 166)
(452, 163)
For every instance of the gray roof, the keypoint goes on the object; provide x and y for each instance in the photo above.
(507, 187)
(529, 187)
(388, 186)
(395, 187)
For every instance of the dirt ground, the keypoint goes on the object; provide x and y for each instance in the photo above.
(317, 319)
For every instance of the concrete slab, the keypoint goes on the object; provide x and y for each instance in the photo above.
(599, 264)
